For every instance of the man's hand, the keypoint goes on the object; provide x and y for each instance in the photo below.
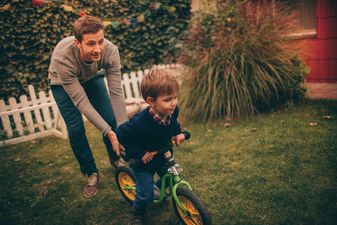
(178, 139)
(147, 157)
(114, 142)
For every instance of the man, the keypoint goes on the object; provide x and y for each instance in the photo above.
(78, 87)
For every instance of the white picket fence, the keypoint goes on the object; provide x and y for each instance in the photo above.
(32, 117)
(37, 116)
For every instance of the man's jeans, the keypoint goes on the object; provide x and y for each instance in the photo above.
(99, 98)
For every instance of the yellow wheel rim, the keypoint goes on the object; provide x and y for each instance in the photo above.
(193, 216)
(125, 180)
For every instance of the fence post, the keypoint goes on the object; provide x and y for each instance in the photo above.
(127, 87)
(45, 109)
(16, 116)
(36, 111)
(134, 85)
(27, 114)
(5, 120)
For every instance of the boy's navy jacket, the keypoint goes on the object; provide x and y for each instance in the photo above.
(142, 133)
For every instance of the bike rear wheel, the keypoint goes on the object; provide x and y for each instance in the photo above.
(196, 212)
(126, 183)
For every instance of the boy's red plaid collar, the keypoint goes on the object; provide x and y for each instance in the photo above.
(157, 118)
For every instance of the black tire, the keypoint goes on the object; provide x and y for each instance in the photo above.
(125, 176)
(192, 203)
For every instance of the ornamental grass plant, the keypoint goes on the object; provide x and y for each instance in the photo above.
(239, 61)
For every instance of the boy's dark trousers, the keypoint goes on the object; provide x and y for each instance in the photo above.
(144, 182)
(99, 98)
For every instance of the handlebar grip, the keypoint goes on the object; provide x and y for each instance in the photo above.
(186, 134)
(122, 153)
(135, 162)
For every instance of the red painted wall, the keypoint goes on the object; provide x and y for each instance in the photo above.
(322, 57)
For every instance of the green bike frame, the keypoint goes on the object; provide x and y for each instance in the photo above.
(174, 183)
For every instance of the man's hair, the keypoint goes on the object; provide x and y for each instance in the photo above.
(86, 25)
(158, 82)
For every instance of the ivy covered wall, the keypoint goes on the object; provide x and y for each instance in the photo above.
(145, 31)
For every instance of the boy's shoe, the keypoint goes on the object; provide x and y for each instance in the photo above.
(137, 217)
(156, 193)
(91, 188)
(118, 163)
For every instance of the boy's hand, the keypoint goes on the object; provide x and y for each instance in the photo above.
(178, 139)
(147, 157)
(114, 142)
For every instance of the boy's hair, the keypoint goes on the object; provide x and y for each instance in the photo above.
(158, 82)
(86, 25)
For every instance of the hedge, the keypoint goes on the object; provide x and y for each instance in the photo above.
(29, 34)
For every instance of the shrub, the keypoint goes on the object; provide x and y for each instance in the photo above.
(239, 62)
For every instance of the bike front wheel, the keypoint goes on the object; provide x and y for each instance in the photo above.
(196, 212)
(125, 180)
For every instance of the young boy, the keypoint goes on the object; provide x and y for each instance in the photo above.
(150, 130)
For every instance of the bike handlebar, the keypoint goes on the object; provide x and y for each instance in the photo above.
(134, 162)
(186, 134)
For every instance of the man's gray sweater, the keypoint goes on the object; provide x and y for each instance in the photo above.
(67, 69)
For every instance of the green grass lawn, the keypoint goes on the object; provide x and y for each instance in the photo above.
(271, 169)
